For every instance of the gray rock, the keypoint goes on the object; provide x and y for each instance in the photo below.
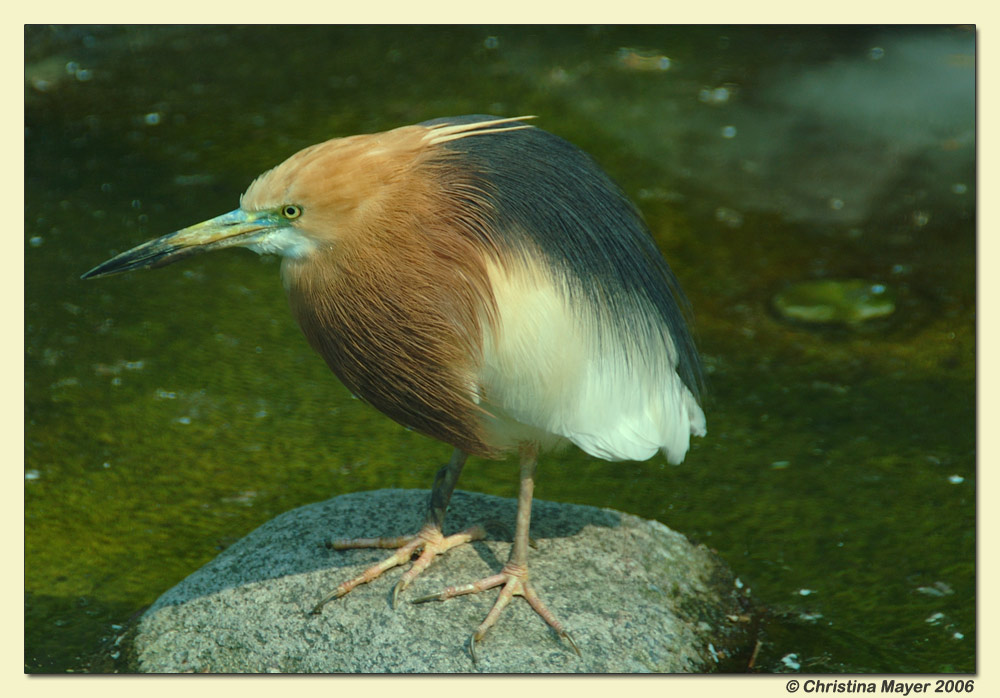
(636, 596)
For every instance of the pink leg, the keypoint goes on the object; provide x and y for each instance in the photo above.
(429, 540)
(514, 575)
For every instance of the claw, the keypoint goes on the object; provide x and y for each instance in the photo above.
(472, 648)
(335, 594)
(569, 638)
(425, 599)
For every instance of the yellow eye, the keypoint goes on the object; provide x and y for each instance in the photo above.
(291, 211)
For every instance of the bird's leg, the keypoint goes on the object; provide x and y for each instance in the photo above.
(429, 540)
(514, 575)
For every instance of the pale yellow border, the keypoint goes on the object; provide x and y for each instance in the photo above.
(506, 11)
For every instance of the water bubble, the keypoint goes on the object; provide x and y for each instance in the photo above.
(729, 216)
(876, 53)
(559, 76)
(792, 661)
(642, 60)
(729, 132)
(152, 118)
(959, 188)
(956, 479)
(193, 180)
(715, 97)
(36, 241)
(491, 42)
(938, 589)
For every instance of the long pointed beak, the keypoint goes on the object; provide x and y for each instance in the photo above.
(237, 227)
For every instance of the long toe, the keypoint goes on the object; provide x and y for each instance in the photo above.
(514, 582)
(429, 542)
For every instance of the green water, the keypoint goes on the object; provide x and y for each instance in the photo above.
(169, 412)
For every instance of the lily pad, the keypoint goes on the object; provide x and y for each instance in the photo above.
(828, 301)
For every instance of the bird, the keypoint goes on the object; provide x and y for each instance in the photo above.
(483, 282)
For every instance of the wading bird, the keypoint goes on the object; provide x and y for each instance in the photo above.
(483, 282)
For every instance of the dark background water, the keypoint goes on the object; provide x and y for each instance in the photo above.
(169, 412)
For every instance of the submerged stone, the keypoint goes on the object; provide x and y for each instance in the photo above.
(827, 301)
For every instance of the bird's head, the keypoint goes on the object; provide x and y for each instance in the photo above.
(316, 199)
(327, 196)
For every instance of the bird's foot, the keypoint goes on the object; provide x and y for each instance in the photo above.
(514, 579)
(429, 541)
